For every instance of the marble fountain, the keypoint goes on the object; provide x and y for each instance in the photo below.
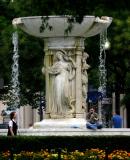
(65, 68)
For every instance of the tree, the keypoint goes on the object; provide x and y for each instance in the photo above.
(31, 57)
(31, 49)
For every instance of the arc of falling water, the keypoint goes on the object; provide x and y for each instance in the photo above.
(15, 89)
(102, 70)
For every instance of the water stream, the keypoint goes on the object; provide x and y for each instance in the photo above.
(102, 70)
(15, 89)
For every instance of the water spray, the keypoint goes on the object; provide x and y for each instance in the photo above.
(15, 90)
(104, 45)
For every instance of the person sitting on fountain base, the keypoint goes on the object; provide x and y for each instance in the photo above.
(93, 120)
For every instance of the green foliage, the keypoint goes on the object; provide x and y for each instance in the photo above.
(5, 44)
(31, 49)
(71, 143)
(31, 57)
(31, 63)
(93, 78)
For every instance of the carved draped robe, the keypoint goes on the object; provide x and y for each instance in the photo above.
(60, 89)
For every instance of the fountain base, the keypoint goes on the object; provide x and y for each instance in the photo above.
(71, 132)
(61, 123)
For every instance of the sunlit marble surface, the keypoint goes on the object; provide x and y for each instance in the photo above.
(70, 132)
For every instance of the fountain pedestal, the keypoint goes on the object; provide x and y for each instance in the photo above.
(65, 65)
(73, 48)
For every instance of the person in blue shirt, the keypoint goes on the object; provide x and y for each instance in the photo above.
(116, 120)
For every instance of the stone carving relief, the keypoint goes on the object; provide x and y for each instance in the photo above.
(62, 73)
(84, 78)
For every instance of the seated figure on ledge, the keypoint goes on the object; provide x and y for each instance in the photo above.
(93, 120)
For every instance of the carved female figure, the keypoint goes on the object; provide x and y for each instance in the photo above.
(61, 72)
(85, 67)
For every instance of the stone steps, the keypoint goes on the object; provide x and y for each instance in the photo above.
(70, 132)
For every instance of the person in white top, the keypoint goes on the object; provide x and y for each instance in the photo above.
(12, 126)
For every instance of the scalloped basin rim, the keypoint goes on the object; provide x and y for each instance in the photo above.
(54, 16)
(90, 26)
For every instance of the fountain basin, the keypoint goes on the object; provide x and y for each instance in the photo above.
(90, 26)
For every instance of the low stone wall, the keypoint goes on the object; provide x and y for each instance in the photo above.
(70, 132)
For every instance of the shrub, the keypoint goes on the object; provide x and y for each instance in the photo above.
(36, 143)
